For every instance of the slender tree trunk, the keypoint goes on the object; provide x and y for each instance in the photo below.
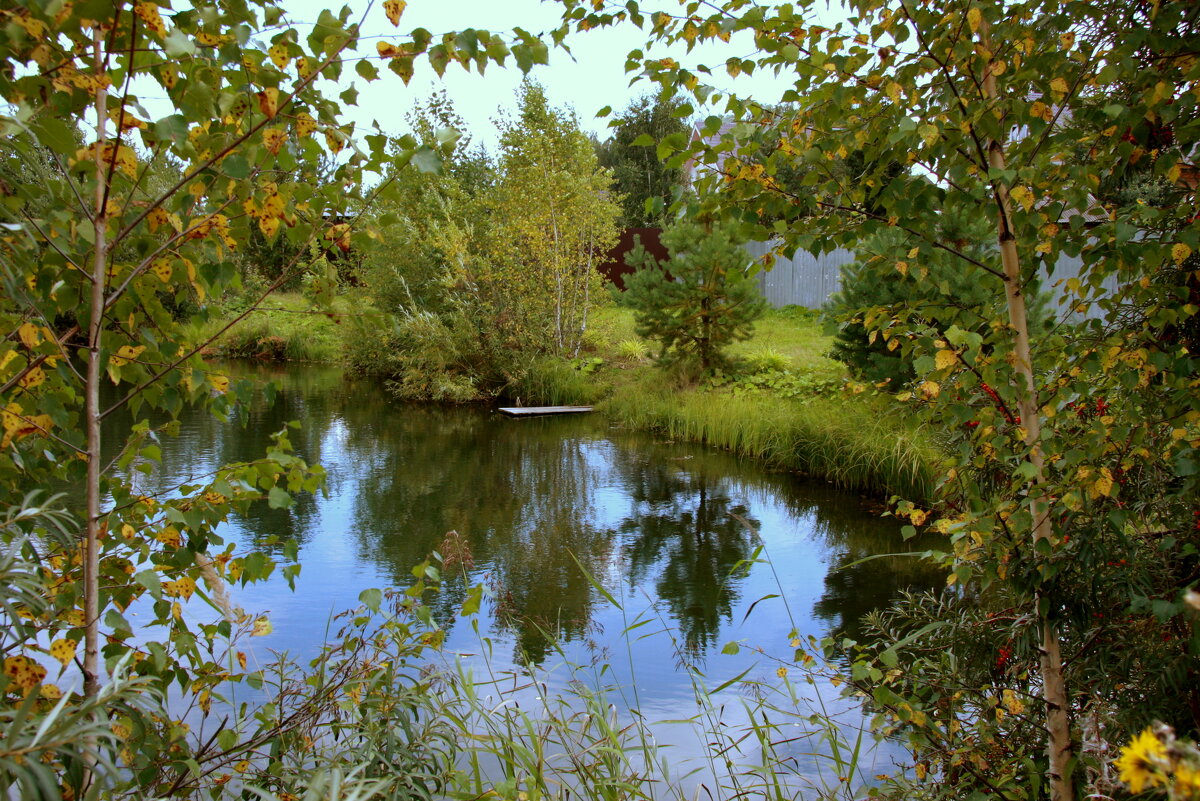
(91, 539)
(91, 543)
(1058, 729)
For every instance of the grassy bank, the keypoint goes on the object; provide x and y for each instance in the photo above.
(783, 404)
(286, 328)
(853, 443)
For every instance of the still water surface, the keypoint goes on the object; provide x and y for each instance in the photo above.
(661, 525)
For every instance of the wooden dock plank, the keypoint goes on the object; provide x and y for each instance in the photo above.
(533, 411)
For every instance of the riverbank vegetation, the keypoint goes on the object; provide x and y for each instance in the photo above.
(967, 152)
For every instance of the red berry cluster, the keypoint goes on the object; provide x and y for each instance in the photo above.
(1084, 409)
(991, 393)
(1003, 655)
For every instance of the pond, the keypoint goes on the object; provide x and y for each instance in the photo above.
(666, 528)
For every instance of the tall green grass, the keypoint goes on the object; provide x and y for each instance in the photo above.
(854, 443)
(286, 328)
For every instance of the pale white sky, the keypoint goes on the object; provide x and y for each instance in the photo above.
(595, 77)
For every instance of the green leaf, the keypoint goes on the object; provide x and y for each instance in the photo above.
(371, 598)
(278, 498)
(367, 70)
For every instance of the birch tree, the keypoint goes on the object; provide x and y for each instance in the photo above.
(553, 219)
(103, 269)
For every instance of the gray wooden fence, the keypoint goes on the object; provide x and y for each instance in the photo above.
(808, 280)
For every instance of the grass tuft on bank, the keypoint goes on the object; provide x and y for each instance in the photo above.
(854, 443)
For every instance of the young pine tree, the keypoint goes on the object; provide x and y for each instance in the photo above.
(700, 300)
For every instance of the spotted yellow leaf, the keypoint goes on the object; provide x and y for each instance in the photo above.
(148, 13)
(169, 536)
(305, 124)
(63, 650)
(279, 55)
(393, 9)
(1060, 86)
(1180, 252)
(29, 335)
(162, 268)
(945, 359)
(262, 627)
(974, 19)
(125, 354)
(33, 379)
(334, 140)
(186, 587)
(24, 672)
(268, 101)
(274, 138)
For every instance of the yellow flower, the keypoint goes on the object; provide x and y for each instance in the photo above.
(1141, 762)
(1187, 783)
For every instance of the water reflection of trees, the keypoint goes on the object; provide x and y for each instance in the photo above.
(687, 532)
(518, 492)
(523, 495)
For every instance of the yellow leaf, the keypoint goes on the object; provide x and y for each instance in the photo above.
(262, 627)
(930, 389)
(998, 67)
(305, 124)
(63, 650)
(186, 587)
(974, 19)
(274, 138)
(125, 354)
(30, 337)
(1022, 195)
(24, 672)
(279, 55)
(162, 268)
(303, 68)
(945, 359)
(334, 140)
(393, 9)
(1180, 252)
(51, 692)
(128, 531)
(169, 536)
(1060, 86)
(268, 102)
(1102, 486)
(33, 379)
(148, 12)
(268, 225)
(220, 383)
(902, 267)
